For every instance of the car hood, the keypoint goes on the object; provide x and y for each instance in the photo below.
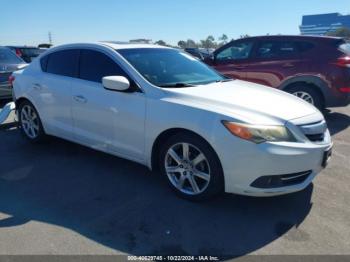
(247, 102)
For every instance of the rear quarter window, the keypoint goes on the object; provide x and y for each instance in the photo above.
(43, 63)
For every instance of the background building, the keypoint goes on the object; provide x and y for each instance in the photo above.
(324, 23)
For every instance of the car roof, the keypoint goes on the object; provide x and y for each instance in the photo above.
(113, 45)
(123, 45)
(299, 37)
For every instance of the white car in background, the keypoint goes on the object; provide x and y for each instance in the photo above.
(165, 109)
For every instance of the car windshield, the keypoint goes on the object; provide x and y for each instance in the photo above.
(8, 57)
(169, 67)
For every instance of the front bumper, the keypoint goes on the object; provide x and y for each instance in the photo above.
(244, 162)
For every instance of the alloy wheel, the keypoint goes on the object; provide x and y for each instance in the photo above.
(305, 96)
(30, 121)
(187, 168)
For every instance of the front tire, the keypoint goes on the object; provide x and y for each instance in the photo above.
(30, 123)
(191, 167)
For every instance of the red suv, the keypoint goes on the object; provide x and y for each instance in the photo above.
(316, 69)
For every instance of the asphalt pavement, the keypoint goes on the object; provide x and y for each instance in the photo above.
(62, 198)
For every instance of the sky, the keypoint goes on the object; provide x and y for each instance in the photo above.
(29, 21)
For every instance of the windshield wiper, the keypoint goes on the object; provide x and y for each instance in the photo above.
(224, 80)
(177, 85)
(220, 81)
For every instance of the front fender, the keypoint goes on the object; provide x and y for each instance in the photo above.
(162, 116)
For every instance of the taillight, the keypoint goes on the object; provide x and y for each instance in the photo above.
(344, 89)
(343, 61)
(18, 52)
(11, 80)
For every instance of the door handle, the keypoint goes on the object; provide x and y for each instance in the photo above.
(288, 65)
(80, 99)
(37, 86)
(239, 67)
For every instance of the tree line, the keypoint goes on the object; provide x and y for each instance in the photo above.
(209, 42)
(341, 32)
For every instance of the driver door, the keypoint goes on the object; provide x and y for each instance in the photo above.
(232, 60)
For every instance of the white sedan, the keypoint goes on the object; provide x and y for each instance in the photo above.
(164, 109)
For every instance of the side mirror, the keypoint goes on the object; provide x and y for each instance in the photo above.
(116, 83)
(210, 60)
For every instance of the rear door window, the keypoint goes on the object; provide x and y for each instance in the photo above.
(305, 46)
(276, 49)
(63, 63)
(95, 65)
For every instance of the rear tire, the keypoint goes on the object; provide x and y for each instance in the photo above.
(30, 122)
(308, 94)
(191, 167)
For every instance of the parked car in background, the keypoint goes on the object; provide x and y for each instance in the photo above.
(165, 109)
(45, 46)
(27, 53)
(9, 62)
(200, 53)
(316, 69)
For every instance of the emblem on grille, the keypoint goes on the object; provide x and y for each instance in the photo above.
(3, 69)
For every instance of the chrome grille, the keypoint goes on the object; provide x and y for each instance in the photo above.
(316, 138)
(315, 132)
(4, 77)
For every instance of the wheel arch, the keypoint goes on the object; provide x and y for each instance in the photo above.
(20, 100)
(164, 135)
(318, 83)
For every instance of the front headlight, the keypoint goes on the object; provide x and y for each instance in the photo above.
(259, 134)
